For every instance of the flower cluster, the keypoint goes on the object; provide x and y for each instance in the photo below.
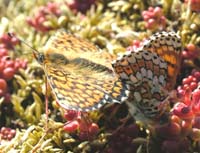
(191, 52)
(45, 13)
(135, 45)
(80, 5)
(7, 43)
(154, 18)
(184, 122)
(7, 133)
(75, 122)
(8, 67)
(194, 4)
(189, 83)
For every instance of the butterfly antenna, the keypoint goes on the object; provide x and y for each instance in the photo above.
(35, 51)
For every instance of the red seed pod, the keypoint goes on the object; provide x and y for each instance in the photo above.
(8, 73)
(14, 41)
(2, 66)
(3, 129)
(157, 12)
(186, 86)
(191, 47)
(185, 54)
(16, 66)
(175, 119)
(186, 127)
(193, 85)
(71, 126)
(93, 129)
(70, 115)
(196, 101)
(196, 122)
(186, 81)
(196, 74)
(13, 132)
(24, 64)
(9, 63)
(181, 92)
(3, 52)
(3, 85)
(182, 111)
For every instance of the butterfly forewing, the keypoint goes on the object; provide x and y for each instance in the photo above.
(79, 76)
(74, 47)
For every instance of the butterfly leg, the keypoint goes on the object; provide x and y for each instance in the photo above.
(166, 102)
(136, 113)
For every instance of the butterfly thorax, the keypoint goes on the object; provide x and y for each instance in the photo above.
(56, 59)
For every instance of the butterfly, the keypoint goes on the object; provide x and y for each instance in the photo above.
(80, 74)
(151, 72)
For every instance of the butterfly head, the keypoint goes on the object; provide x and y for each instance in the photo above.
(39, 56)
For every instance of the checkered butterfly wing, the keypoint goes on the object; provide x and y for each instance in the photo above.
(168, 46)
(151, 71)
(146, 72)
(79, 79)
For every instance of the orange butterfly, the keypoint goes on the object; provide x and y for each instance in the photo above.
(151, 72)
(79, 75)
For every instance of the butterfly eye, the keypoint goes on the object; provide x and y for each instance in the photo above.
(40, 58)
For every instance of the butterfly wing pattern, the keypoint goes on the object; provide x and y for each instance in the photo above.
(151, 72)
(81, 75)
(79, 78)
(168, 46)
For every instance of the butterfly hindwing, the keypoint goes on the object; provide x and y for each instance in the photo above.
(151, 72)
(168, 46)
(85, 94)
(146, 72)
